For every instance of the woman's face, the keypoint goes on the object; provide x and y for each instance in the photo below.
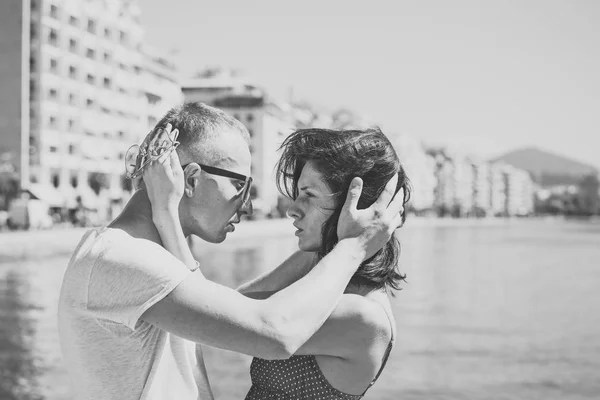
(311, 209)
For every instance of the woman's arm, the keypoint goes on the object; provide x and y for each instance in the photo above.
(164, 185)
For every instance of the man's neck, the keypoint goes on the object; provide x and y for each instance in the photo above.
(136, 218)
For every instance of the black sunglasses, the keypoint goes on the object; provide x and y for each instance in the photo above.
(245, 191)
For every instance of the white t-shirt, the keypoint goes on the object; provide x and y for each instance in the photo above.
(111, 280)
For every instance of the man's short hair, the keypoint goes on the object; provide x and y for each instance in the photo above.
(199, 124)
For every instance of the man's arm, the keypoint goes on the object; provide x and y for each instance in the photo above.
(292, 269)
(208, 313)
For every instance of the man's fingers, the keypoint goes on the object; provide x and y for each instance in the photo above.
(388, 192)
(397, 204)
(397, 222)
(354, 192)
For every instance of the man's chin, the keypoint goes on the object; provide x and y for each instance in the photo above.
(219, 238)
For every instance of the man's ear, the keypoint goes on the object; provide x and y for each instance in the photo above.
(192, 179)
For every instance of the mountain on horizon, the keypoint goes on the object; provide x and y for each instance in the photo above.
(547, 169)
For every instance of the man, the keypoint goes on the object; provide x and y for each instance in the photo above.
(130, 312)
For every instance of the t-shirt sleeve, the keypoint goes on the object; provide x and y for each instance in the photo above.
(125, 281)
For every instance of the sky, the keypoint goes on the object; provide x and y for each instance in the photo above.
(482, 77)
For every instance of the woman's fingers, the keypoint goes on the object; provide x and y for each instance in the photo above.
(158, 138)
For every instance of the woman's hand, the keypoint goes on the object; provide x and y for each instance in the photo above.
(163, 177)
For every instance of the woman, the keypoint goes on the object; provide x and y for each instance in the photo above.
(345, 357)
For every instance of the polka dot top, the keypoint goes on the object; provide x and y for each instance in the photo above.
(298, 378)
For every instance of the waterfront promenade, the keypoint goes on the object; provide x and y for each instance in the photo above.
(15, 245)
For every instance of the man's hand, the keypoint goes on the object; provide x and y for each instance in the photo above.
(372, 226)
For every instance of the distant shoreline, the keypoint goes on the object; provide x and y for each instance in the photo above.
(38, 244)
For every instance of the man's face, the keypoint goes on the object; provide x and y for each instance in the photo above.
(311, 209)
(213, 204)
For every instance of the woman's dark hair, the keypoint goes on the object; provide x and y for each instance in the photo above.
(340, 156)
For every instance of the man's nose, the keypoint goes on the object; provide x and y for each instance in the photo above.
(247, 208)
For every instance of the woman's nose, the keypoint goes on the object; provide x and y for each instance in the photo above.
(294, 211)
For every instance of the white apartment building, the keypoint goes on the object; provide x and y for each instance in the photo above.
(420, 169)
(520, 191)
(481, 186)
(88, 89)
(445, 189)
(160, 86)
(498, 198)
(463, 177)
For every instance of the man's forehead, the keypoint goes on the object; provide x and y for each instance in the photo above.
(229, 150)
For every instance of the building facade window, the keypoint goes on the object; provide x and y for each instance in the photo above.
(107, 83)
(32, 64)
(32, 89)
(90, 53)
(122, 37)
(52, 122)
(106, 57)
(89, 103)
(53, 94)
(54, 65)
(72, 99)
(55, 179)
(90, 79)
(71, 124)
(91, 26)
(74, 179)
(107, 34)
(73, 21)
(73, 45)
(54, 12)
(73, 72)
(53, 37)
(250, 118)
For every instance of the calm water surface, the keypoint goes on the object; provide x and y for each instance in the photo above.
(489, 312)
